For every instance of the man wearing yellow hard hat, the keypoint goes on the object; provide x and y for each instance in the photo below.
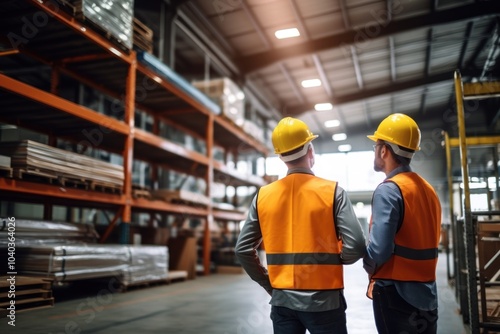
(309, 231)
(402, 253)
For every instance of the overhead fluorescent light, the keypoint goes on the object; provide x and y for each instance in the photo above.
(339, 137)
(344, 148)
(323, 106)
(287, 33)
(311, 83)
(332, 123)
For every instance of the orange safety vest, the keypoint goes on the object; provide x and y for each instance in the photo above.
(298, 229)
(416, 243)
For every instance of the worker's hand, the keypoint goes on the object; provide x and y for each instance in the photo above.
(369, 290)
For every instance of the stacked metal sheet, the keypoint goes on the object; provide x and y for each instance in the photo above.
(147, 264)
(131, 265)
(73, 262)
(37, 159)
(36, 232)
(67, 252)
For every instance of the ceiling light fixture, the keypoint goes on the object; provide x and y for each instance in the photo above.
(287, 33)
(332, 123)
(323, 106)
(344, 148)
(311, 83)
(339, 137)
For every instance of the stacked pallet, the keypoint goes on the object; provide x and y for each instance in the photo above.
(25, 293)
(181, 197)
(30, 158)
(143, 36)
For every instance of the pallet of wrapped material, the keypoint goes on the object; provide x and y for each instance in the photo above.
(38, 232)
(148, 264)
(73, 261)
(227, 95)
(111, 17)
(181, 196)
(37, 159)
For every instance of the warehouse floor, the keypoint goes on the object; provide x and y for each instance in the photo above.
(219, 303)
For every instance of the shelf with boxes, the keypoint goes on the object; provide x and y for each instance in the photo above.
(40, 71)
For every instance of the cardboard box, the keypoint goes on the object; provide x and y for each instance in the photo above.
(183, 255)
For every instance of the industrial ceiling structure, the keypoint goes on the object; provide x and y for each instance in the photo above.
(372, 58)
(367, 58)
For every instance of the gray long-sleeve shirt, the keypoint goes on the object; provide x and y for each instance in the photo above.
(353, 248)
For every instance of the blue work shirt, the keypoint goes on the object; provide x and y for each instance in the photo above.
(387, 210)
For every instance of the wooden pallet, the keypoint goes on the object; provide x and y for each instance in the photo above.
(177, 275)
(142, 285)
(142, 36)
(141, 192)
(181, 197)
(30, 293)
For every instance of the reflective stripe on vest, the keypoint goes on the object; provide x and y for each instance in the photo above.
(298, 230)
(416, 242)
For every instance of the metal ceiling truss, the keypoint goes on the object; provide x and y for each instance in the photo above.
(260, 60)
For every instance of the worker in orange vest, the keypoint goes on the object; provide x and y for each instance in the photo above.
(405, 226)
(310, 231)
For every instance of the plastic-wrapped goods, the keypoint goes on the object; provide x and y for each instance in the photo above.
(114, 16)
(227, 95)
(147, 264)
(73, 262)
(41, 232)
(177, 80)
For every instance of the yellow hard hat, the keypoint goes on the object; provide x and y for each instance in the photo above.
(399, 129)
(289, 134)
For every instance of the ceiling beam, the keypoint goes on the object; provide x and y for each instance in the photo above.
(254, 62)
(368, 93)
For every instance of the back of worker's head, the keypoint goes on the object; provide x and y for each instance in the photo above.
(291, 139)
(401, 133)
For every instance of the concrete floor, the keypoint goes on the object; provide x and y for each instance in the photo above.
(218, 304)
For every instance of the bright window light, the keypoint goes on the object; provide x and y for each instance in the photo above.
(332, 123)
(287, 33)
(323, 106)
(345, 148)
(339, 137)
(311, 83)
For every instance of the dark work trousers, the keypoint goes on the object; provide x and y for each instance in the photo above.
(288, 321)
(393, 315)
